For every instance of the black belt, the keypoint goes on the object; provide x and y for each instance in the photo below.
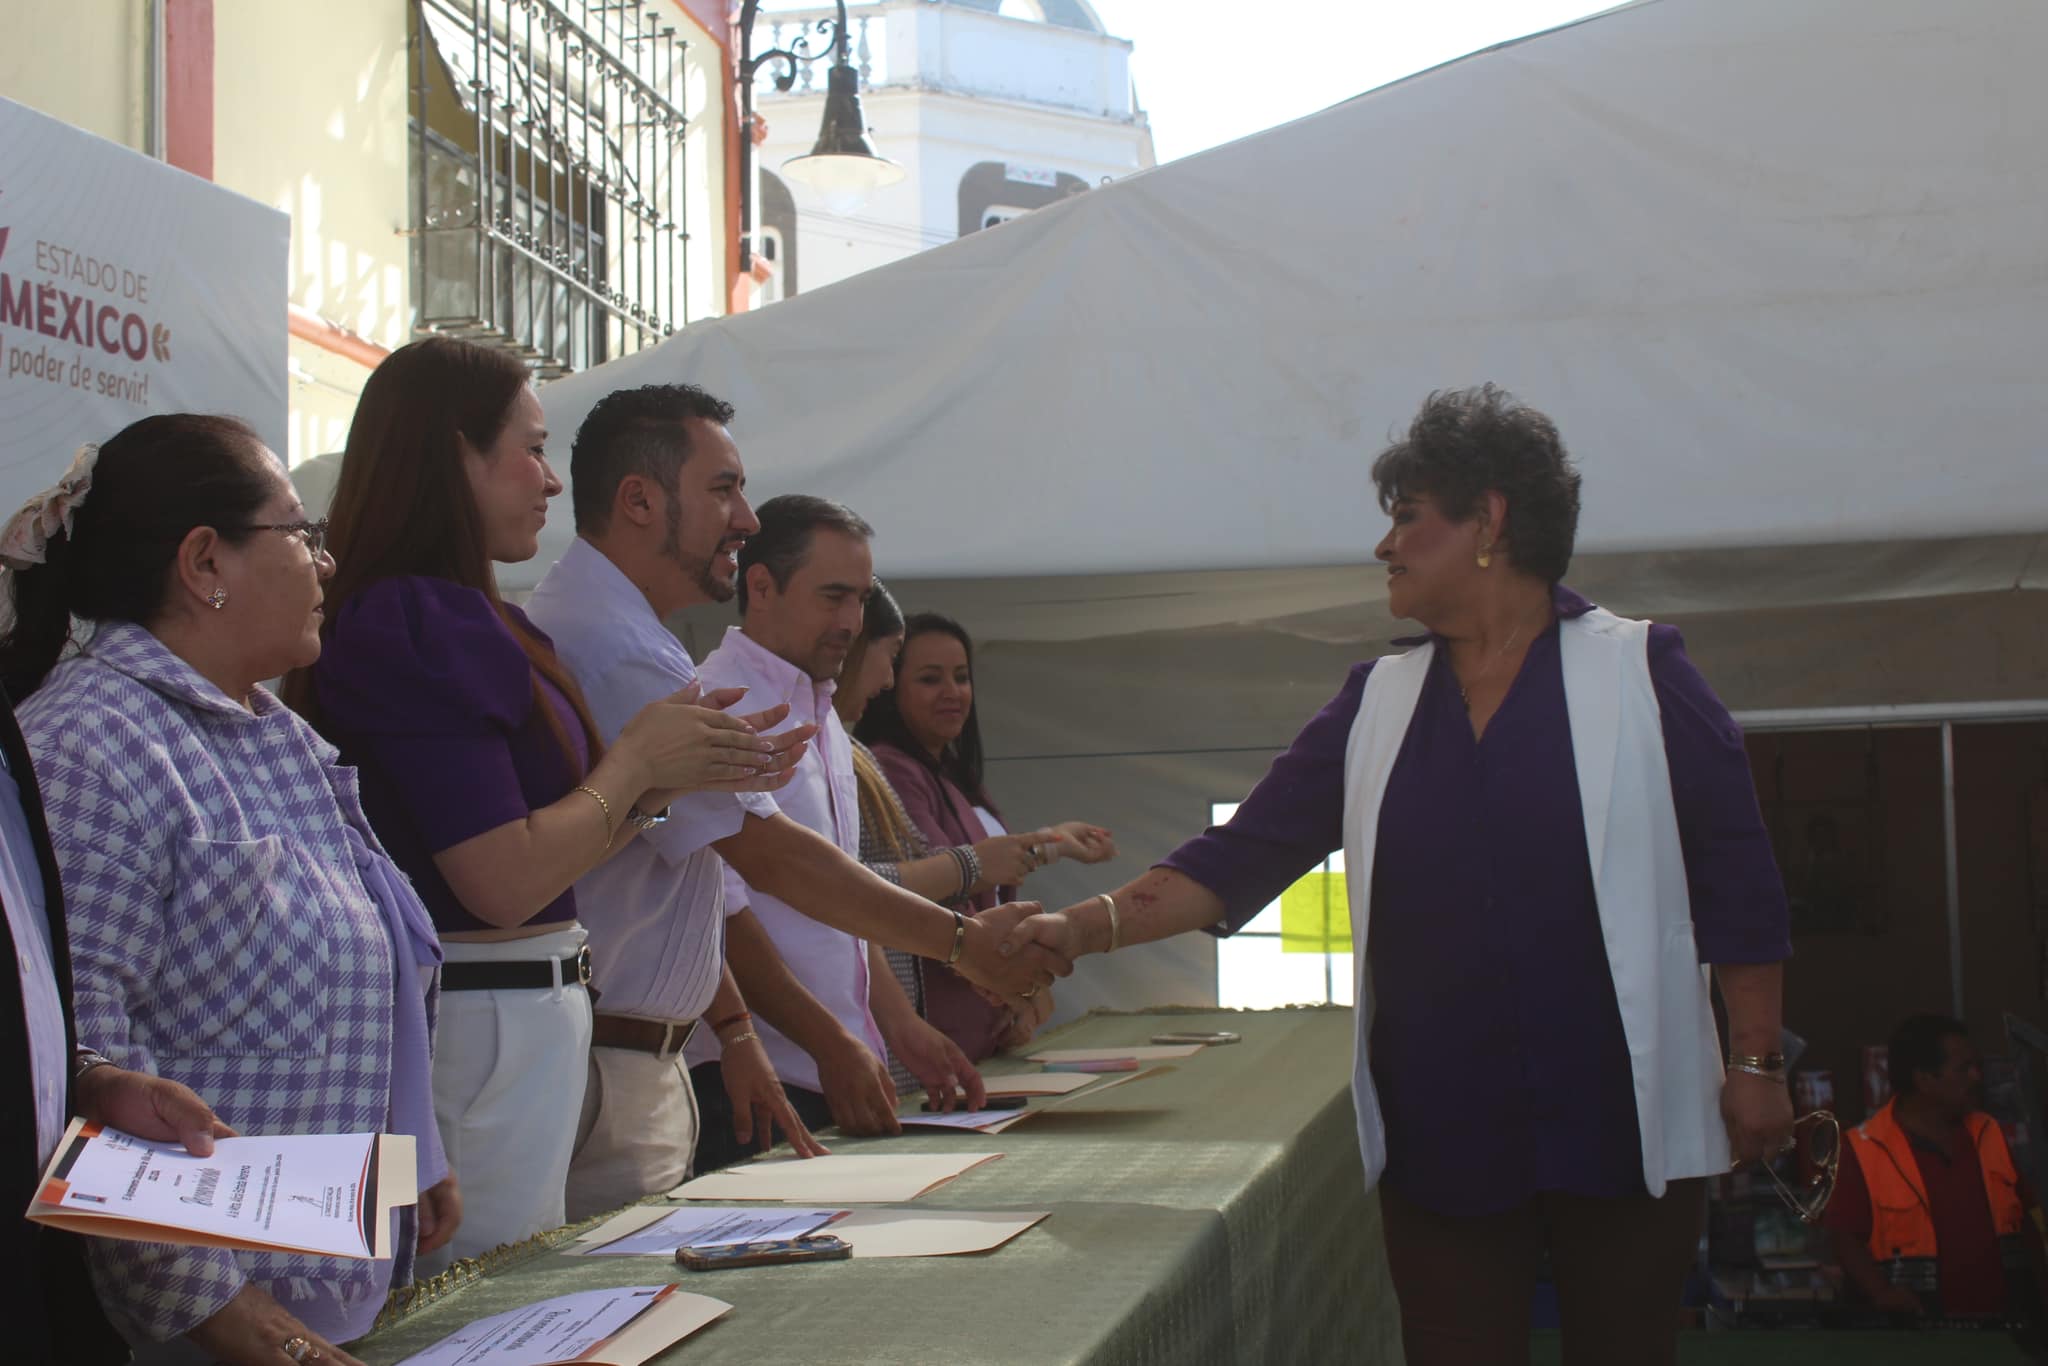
(534, 972)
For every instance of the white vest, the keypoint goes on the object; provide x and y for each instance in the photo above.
(1638, 882)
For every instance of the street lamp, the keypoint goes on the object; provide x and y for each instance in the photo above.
(843, 167)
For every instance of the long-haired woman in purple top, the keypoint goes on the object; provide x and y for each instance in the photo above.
(1551, 834)
(482, 770)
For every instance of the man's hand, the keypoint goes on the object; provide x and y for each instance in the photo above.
(859, 1089)
(440, 1214)
(149, 1107)
(938, 1064)
(1758, 1113)
(1026, 1019)
(994, 956)
(1055, 932)
(759, 1104)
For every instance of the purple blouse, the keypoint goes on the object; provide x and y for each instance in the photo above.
(428, 693)
(1497, 1044)
(945, 817)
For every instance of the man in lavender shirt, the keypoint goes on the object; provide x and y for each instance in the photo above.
(840, 1012)
(661, 515)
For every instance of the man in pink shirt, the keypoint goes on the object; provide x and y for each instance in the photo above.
(831, 1009)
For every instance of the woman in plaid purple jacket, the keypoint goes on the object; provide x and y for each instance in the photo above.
(234, 924)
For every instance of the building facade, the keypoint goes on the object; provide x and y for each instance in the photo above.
(992, 107)
(551, 176)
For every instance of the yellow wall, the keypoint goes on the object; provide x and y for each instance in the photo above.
(310, 117)
(86, 63)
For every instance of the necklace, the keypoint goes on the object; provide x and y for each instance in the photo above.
(1464, 689)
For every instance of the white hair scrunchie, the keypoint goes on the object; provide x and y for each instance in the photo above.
(25, 540)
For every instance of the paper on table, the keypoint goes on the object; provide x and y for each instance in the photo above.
(326, 1194)
(617, 1327)
(835, 1179)
(1038, 1083)
(976, 1121)
(929, 1233)
(708, 1226)
(1146, 1052)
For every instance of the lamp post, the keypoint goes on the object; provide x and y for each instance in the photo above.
(843, 166)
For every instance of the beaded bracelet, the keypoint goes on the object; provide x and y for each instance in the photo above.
(970, 866)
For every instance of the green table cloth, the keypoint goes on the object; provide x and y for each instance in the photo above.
(1213, 1212)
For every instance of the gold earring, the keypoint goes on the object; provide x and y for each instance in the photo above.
(1486, 555)
(217, 599)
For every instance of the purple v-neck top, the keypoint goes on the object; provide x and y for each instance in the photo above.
(1497, 1045)
(428, 693)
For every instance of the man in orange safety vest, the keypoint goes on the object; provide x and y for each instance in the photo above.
(1930, 1215)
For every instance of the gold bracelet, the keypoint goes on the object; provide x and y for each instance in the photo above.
(603, 805)
(1110, 902)
(959, 937)
(749, 1037)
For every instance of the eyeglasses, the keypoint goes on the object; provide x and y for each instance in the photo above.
(314, 534)
(1817, 1140)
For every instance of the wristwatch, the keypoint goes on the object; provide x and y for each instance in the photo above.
(643, 821)
(84, 1059)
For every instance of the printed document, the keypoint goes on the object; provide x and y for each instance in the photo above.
(329, 1194)
(619, 1327)
(709, 1226)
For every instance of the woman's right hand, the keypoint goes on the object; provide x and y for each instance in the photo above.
(1007, 860)
(688, 743)
(252, 1329)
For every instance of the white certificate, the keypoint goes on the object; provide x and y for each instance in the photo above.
(975, 1121)
(711, 1226)
(620, 1327)
(329, 1194)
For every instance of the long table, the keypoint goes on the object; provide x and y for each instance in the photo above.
(1213, 1212)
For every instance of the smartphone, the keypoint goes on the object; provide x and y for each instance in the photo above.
(814, 1247)
(991, 1103)
(1195, 1036)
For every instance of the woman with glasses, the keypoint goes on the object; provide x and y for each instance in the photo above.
(481, 768)
(234, 924)
(1549, 827)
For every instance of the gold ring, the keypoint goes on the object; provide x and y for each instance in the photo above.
(1031, 993)
(296, 1347)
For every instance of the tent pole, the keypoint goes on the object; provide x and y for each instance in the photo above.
(1948, 845)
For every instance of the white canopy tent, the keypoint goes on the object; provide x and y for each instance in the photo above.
(1775, 267)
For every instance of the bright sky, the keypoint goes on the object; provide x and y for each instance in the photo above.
(1208, 72)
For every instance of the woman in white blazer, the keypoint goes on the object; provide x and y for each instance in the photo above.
(1550, 833)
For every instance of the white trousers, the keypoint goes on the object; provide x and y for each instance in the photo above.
(638, 1132)
(509, 1069)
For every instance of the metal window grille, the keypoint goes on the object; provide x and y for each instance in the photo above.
(548, 176)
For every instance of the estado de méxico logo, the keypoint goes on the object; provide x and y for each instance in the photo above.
(51, 290)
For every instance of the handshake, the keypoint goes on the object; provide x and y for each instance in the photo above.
(1014, 951)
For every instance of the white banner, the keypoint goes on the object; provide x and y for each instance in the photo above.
(127, 287)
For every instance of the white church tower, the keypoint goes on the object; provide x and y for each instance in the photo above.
(992, 107)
